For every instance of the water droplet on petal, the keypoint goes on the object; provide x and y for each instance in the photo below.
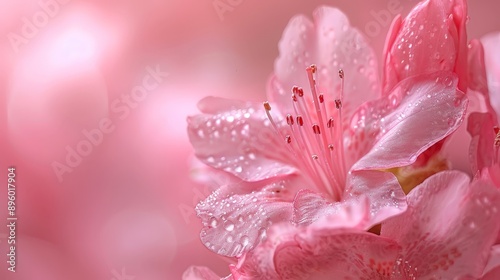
(213, 222)
(245, 240)
(229, 226)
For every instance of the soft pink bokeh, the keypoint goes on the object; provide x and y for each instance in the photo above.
(127, 204)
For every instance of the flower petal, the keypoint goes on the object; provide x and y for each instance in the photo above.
(491, 45)
(480, 126)
(395, 129)
(292, 253)
(477, 68)
(235, 221)
(332, 44)
(199, 273)
(432, 38)
(236, 137)
(492, 270)
(370, 198)
(382, 190)
(310, 207)
(346, 255)
(448, 229)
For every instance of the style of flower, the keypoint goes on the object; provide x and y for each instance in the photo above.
(311, 159)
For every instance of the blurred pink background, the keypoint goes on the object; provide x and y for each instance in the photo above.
(74, 68)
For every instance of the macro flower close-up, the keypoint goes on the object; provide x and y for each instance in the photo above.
(340, 175)
(244, 140)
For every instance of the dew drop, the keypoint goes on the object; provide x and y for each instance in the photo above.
(229, 226)
(213, 222)
(238, 169)
(245, 240)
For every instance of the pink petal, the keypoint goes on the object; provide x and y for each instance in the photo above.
(236, 137)
(331, 43)
(491, 45)
(370, 198)
(390, 77)
(259, 263)
(291, 253)
(199, 273)
(492, 270)
(310, 207)
(395, 129)
(342, 255)
(235, 220)
(381, 189)
(448, 229)
(480, 126)
(477, 67)
(432, 38)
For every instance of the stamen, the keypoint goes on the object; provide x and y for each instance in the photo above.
(496, 143)
(496, 129)
(341, 74)
(267, 106)
(330, 123)
(316, 129)
(319, 153)
(300, 120)
(289, 120)
(338, 104)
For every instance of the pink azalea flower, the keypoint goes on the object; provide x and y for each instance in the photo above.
(311, 157)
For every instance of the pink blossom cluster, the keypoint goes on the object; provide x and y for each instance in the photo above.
(341, 174)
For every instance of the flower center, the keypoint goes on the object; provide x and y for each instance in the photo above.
(314, 136)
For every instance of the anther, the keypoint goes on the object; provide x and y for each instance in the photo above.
(316, 129)
(289, 119)
(288, 139)
(338, 103)
(267, 106)
(300, 92)
(313, 68)
(300, 120)
(294, 97)
(496, 129)
(330, 123)
(315, 157)
(330, 147)
(321, 98)
(341, 73)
